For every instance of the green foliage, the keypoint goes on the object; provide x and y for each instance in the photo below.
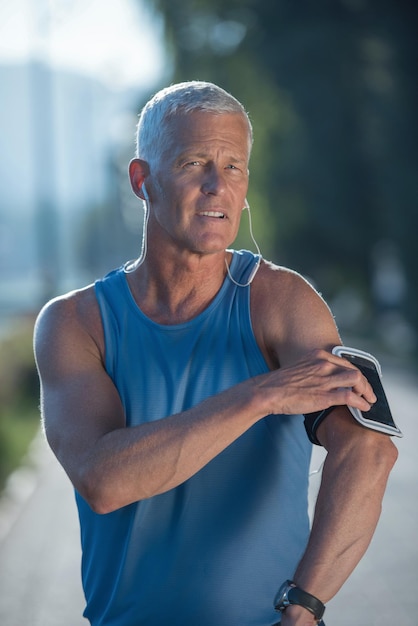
(331, 90)
(17, 429)
(19, 397)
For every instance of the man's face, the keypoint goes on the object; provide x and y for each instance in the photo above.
(199, 188)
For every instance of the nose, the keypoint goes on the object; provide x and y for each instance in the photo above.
(214, 181)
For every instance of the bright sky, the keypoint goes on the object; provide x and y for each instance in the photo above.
(116, 41)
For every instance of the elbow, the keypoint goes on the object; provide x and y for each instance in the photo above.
(384, 450)
(106, 492)
(98, 492)
(367, 455)
(378, 452)
(388, 454)
(345, 438)
(100, 505)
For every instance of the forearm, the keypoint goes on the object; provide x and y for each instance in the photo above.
(130, 464)
(347, 511)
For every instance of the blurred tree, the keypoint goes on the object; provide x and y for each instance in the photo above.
(19, 396)
(111, 234)
(330, 86)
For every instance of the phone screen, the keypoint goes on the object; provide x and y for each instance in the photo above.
(380, 411)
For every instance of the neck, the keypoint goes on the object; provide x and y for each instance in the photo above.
(172, 293)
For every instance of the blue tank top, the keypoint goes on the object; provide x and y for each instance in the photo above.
(213, 551)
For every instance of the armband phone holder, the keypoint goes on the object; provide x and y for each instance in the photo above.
(379, 417)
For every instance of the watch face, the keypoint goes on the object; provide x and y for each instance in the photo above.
(281, 601)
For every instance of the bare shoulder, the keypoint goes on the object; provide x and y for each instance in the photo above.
(66, 324)
(76, 308)
(278, 284)
(289, 315)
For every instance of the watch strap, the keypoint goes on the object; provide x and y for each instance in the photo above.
(296, 595)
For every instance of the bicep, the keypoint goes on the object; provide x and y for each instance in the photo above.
(309, 324)
(290, 317)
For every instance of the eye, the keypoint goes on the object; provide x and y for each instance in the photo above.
(236, 169)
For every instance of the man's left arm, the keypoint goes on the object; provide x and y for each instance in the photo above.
(290, 319)
(348, 507)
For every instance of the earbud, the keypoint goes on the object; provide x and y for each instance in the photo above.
(246, 205)
(145, 192)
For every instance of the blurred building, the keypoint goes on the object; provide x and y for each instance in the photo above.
(60, 135)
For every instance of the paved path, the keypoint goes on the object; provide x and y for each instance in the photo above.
(382, 591)
(40, 553)
(39, 547)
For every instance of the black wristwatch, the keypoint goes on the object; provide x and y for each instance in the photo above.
(289, 594)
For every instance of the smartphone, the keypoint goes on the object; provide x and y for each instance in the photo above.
(379, 417)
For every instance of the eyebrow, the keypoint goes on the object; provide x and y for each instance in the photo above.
(204, 155)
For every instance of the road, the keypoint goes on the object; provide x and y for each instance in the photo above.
(40, 553)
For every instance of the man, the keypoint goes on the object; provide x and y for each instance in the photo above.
(173, 394)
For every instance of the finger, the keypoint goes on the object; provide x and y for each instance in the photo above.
(346, 396)
(363, 388)
(360, 385)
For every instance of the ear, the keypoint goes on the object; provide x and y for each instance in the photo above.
(138, 171)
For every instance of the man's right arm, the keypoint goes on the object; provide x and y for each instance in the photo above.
(111, 465)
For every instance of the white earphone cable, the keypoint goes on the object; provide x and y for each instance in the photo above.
(257, 265)
(131, 266)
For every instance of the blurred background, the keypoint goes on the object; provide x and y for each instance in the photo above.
(331, 88)
(332, 92)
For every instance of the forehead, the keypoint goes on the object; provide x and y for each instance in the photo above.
(202, 130)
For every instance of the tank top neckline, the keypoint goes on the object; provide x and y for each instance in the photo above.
(225, 287)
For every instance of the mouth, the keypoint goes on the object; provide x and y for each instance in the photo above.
(217, 214)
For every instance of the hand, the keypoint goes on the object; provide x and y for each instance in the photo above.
(314, 383)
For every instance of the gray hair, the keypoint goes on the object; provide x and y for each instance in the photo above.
(178, 99)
